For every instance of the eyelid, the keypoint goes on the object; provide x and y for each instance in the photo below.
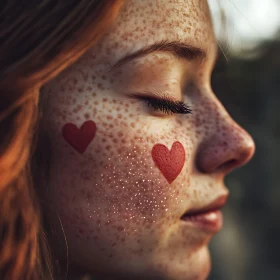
(166, 105)
(155, 94)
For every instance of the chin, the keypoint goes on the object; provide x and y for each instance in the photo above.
(195, 266)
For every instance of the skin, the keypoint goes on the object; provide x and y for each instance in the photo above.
(119, 213)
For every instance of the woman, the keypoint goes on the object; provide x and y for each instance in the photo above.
(120, 175)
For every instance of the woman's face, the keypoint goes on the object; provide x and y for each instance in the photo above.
(122, 173)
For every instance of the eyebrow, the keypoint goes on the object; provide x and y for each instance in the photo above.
(177, 48)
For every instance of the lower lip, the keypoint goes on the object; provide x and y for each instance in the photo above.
(211, 221)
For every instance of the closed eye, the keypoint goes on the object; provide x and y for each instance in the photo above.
(165, 105)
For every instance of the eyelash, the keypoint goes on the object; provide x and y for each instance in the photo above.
(167, 106)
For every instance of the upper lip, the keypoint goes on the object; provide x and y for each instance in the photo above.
(214, 205)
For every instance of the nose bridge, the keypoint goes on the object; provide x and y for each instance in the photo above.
(227, 146)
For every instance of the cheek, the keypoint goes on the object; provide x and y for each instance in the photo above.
(124, 182)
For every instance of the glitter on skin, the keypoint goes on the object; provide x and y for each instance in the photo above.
(118, 212)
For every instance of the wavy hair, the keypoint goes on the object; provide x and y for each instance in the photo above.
(38, 39)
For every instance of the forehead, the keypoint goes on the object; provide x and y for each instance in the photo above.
(144, 22)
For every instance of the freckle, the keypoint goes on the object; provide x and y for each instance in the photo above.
(179, 122)
(108, 147)
(95, 103)
(118, 108)
(120, 134)
(130, 115)
(93, 77)
(109, 117)
(104, 99)
(93, 94)
(80, 90)
(62, 88)
(79, 107)
(104, 139)
(115, 140)
(119, 116)
(87, 115)
(120, 228)
(100, 86)
(89, 88)
(103, 78)
(132, 124)
(111, 125)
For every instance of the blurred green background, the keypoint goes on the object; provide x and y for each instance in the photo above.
(247, 81)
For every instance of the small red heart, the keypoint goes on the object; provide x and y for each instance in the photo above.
(169, 163)
(79, 139)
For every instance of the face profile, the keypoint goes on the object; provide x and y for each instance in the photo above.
(140, 146)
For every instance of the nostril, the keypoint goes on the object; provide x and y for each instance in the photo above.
(229, 165)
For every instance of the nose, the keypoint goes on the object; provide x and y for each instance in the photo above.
(226, 149)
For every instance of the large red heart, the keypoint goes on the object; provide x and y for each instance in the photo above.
(79, 139)
(169, 163)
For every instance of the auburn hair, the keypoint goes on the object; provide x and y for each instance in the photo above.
(38, 39)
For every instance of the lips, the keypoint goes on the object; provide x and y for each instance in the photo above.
(208, 218)
(213, 206)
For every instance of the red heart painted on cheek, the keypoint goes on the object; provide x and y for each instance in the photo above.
(169, 163)
(79, 139)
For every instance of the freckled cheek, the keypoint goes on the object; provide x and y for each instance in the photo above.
(117, 184)
(126, 178)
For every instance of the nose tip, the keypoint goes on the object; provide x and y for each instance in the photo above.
(225, 152)
(247, 148)
(239, 155)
